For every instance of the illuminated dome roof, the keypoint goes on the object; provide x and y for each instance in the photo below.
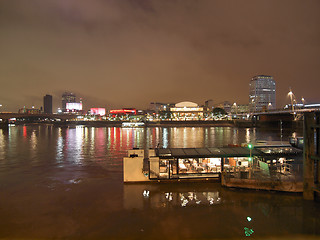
(186, 104)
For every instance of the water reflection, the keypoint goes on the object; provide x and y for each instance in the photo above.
(174, 199)
(81, 145)
(59, 152)
(152, 196)
(74, 145)
(165, 137)
(209, 210)
(33, 144)
(83, 196)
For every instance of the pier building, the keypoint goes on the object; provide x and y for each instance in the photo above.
(263, 161)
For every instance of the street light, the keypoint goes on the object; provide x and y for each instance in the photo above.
(250, 146)
(235, 105)
(291, 98)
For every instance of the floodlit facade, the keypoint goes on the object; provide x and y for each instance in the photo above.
(262, 94)
(98, 111)
(186, 111)
(73, 106)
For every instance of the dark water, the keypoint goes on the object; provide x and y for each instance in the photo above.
(66, 183)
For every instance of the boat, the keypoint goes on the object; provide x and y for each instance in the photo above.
(132, 124)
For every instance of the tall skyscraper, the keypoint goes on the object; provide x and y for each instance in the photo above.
(67, 97)
(47, 104)
(262, 94)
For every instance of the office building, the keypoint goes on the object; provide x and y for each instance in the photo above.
(158, 107)
(47, 104)
(262, 94)
(67, 97)
(29, 110)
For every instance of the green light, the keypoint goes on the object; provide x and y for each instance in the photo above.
(248, 231)
(250, 146)
(250, 159)
(249, 219)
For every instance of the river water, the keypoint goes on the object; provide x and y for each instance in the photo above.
(66, 183)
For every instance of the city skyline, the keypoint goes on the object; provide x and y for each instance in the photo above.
(130, 53)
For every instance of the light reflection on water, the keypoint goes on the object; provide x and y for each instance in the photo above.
(67, 183)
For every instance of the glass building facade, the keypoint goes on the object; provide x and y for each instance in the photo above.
(262, 94)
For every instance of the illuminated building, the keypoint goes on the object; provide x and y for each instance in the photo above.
(67, 98)
(73, 107)
(98, 111)
(47, 103)
(124, 111)
(158, 107)
(187, 111)
(239, 108)
(29, 110)
(226, 106)
(209, 105)
(262, 94)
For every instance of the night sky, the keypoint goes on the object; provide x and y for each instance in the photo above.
(128, 53)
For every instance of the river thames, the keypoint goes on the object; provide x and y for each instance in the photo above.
(66, 183)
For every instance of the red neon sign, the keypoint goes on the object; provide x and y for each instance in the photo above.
(123, 111)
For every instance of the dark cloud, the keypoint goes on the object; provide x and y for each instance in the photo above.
(129, 53)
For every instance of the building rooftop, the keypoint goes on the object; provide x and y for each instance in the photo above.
(221, 152)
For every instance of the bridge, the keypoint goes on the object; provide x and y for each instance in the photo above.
(296, 111)
(6, 116)
(286, 115)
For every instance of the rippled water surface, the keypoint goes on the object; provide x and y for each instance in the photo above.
(66, 183)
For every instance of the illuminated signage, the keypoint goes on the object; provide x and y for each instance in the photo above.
(98, 111)
(123, 111)
(74, 106)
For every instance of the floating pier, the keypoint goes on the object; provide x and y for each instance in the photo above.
(254, 167)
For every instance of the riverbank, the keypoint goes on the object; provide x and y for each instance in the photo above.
(219, 123)
(222, 123)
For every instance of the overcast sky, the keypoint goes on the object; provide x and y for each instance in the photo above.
(128, 53)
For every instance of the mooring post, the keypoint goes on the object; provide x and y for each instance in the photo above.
(308, 151)
(317, 175)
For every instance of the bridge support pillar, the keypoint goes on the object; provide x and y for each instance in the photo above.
(4, 123)
(311, 159)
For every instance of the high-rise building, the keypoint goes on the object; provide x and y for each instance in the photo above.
(262, 94)
(47, 104)
(67, 97)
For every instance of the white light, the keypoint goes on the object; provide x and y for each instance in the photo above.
(146, 193)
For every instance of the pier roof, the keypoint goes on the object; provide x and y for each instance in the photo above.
(206, 152)
(223, 152)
